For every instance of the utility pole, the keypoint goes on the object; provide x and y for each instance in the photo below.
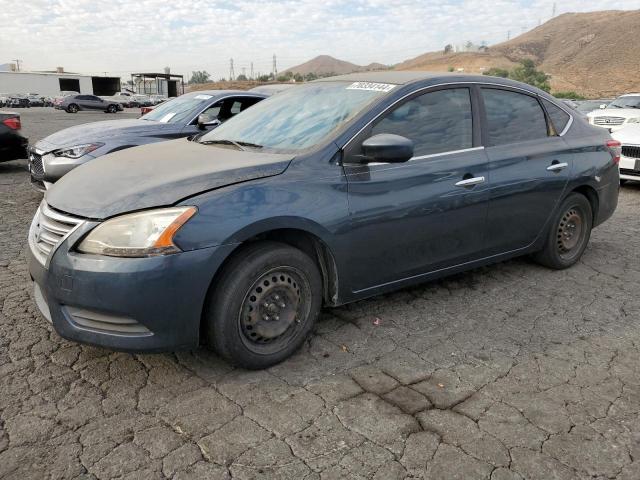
(232, 73)
(275, 68)
(251, 70)
(553, 13)
(509, 35)
(244, 72)
(17, 60)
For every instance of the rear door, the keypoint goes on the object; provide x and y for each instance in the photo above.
(529, 167)
(408, 219)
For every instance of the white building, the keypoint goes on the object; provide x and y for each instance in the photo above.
(52, 83)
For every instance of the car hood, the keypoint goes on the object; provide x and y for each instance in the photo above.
(628, 135)
(101, 132)
(615, 112)
(157, 175)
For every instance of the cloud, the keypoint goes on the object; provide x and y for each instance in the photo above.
(120, 36)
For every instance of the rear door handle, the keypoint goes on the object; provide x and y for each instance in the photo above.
(470, 182)
(556, 167)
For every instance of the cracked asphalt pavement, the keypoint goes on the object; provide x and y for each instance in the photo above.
(506, 372)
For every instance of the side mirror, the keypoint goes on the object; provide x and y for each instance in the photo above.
(388, 148)
(204, 122)
(603, 106)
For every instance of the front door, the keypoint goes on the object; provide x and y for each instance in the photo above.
(429, 213)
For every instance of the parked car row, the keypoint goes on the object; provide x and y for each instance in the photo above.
(323, 194)
(18, 100)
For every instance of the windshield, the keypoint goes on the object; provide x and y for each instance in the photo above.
(626, 102)
(300, 117)
(180, 109)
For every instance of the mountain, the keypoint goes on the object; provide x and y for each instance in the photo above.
(326, 64)
(596, 53)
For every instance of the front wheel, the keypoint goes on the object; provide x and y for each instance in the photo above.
(264, 305)
(73, 108)
(569, 233)
(112, 109)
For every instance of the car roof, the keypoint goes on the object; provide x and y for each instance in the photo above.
(214, 93)
(631, 95)
(407, 77)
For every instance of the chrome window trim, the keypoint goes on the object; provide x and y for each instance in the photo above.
(505, 87)
(422, 157)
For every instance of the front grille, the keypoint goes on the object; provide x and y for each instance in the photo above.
(35, 165)
(631, 151)
(608, 121)
(628, 171)
(48, 229)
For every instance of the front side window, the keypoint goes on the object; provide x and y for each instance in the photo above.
(300, 117)
(436, 122)
(513, 117)
(559, 117)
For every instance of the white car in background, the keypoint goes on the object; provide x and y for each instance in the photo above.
(629, 137)
(623, 111)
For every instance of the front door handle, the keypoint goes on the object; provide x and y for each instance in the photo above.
(470, 182)
(556, 167)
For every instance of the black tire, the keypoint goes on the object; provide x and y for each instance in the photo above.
(73, 108)
(569, 233)
(623, 181)
(243, 324)
(112, 109)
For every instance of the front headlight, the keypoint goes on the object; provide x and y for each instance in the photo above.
(634, 120)
(142, 234)
(77, 151)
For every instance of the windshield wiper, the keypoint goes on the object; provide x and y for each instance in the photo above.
(223, 142)
(239, 144)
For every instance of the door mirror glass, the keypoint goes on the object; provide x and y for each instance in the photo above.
(205, 121)
(388, 148)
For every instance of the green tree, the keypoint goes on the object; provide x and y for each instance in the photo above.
(497, 72)
(264, 78)
(526, 72)
(242, 78)
(311, 76)
(298, 78)
(199, 77)
(450, 69)
(569, 95)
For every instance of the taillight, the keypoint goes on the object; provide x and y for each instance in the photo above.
(615, 148)
(13, 123)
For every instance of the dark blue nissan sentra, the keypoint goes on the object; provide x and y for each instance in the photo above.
(334, 191)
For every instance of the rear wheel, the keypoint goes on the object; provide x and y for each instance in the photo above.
(112, 109)
(623, 181)
(569, 233)
(73, 108)
(264, 306)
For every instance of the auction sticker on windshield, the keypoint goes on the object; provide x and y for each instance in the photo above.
(376, 87)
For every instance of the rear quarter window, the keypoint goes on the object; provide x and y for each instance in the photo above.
(513, 117)
(559, 117)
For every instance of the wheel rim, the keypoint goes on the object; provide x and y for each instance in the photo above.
(274, 310)
(570, 233)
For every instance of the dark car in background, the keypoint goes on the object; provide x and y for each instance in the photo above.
(18, 101)
(12, 144)
(192, 113)
(327, 193)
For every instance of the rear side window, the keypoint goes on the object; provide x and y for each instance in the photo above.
(513, 117)
(436, 122)
(559, 117)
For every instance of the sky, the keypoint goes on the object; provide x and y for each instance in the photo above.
(116, 37)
